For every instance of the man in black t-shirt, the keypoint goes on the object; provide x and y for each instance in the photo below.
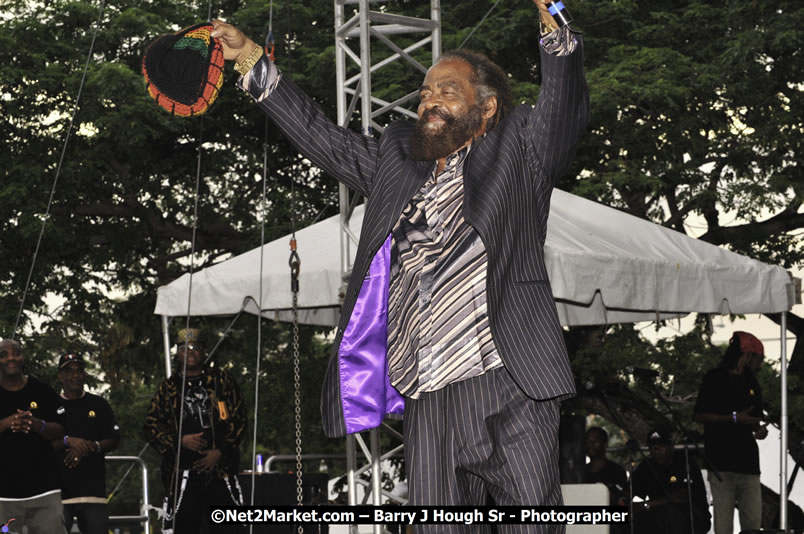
(661, 481)
(91, 432)
(29, 414)
(602, 470)
(729, 405)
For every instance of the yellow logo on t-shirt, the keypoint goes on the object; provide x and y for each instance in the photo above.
(33, 405)
(751, 392)
(673, 478)
(92, 413)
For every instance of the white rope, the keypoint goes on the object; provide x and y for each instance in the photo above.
(269, 37)
(189, 292)
(259, 312)
(471, 33)
(189, 307)
(58, 171)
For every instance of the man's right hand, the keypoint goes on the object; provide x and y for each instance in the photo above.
(7, 423)
(235, 43)
(194, 442)
(17, 422)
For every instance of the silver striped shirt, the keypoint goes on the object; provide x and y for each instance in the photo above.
(438, 326)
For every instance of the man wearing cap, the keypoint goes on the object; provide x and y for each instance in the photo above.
(29, 469)
(661, 482)
(91, 431)
(729, 405)
(211, 421)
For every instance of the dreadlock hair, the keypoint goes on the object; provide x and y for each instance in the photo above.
(489, 80)
(732, 354)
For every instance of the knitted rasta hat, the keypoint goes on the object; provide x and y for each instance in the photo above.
(748, 343)
(184, 72)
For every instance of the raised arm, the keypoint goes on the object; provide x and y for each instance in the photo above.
(562, 110)
(346, 155)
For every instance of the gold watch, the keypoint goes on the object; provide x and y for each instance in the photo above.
(247, 64)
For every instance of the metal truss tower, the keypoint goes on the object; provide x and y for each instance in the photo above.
(358, 25)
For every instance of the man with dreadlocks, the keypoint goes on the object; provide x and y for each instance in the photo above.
(449, 316)
(730, 406)
(208, 424)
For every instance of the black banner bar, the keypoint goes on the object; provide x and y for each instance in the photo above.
(419, 515)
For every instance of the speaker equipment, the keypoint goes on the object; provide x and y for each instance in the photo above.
(571, 449)
(279, 489)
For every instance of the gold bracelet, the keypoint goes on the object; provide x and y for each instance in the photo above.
(547, 28)
(248, 63)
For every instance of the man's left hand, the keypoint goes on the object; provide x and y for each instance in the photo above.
(80, 446)
(72, 458)
(209, 459)
(542, 5)
(547, 19)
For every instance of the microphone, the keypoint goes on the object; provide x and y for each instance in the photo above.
(559, 12)
(641, 371)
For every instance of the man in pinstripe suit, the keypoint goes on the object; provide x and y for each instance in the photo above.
(449, 317)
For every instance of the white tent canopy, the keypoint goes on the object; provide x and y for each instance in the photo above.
(605, 266)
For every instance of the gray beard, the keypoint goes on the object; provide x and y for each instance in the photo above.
(456, 131)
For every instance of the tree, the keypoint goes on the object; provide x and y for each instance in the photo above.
(121, 222)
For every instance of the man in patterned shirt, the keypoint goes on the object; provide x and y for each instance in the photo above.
(449, 316)
(211, 420)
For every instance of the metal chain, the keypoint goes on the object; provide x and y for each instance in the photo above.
(297, 399)
(295, 263)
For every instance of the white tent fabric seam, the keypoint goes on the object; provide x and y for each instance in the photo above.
(605, 267)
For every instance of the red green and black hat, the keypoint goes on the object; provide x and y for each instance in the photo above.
(184, 72)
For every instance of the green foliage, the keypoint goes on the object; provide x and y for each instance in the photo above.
(694, 113)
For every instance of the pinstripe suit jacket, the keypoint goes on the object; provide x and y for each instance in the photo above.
(508, 181)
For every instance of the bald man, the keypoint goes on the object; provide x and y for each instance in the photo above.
(29, 409)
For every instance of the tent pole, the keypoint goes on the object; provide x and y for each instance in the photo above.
(351, 483)
(376, 473)
(783, 434)
(166, 341)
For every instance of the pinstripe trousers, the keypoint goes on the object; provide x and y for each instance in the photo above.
(482, 441)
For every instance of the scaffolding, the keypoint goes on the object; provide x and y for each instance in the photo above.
(369, 23)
